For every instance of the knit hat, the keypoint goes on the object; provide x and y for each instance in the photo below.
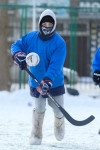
(47, 19)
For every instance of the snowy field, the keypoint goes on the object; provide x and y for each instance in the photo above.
(15, 123)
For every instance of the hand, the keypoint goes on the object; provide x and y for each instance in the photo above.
(20, 59)
(45, 86)
(96, 77)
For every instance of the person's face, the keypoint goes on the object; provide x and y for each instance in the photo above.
(47, 24)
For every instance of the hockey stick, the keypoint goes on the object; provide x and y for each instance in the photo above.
(67, 116)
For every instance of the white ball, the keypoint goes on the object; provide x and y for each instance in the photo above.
(32, 59)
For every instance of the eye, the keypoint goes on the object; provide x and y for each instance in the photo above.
(44, 24)
(47, 24)
(50, 25)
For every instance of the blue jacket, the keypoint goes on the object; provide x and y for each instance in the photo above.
(52, 55)
(96, 60)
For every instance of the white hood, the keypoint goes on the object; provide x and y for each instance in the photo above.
(48, 12)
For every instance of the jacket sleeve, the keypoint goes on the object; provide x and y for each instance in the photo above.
(19, 45)
(96, 61)
(57, 61)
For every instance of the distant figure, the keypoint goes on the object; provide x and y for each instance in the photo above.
(51, 49)
(96, 67)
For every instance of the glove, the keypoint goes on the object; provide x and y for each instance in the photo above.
(20, 59)
(96, 77)
(45, 86)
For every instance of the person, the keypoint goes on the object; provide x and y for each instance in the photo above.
(96, 67)
(96, 70)
(51, 48)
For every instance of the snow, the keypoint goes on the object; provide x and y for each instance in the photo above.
(16, 121)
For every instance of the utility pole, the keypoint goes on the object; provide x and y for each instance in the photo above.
(34, 16)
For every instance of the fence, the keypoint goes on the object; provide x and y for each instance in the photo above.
(80, 28)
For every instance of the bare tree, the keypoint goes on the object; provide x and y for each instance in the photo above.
(4, 60)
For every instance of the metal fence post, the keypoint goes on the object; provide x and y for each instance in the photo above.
(23, 31)
(73, 41)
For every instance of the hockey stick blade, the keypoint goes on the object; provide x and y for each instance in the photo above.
(76, 122)
(66, 115)
(69, 118)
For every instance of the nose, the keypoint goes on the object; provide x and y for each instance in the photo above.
(47, 25)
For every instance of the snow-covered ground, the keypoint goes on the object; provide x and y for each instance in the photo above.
(15, 123)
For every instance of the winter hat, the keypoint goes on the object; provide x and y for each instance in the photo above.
(47, 19)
